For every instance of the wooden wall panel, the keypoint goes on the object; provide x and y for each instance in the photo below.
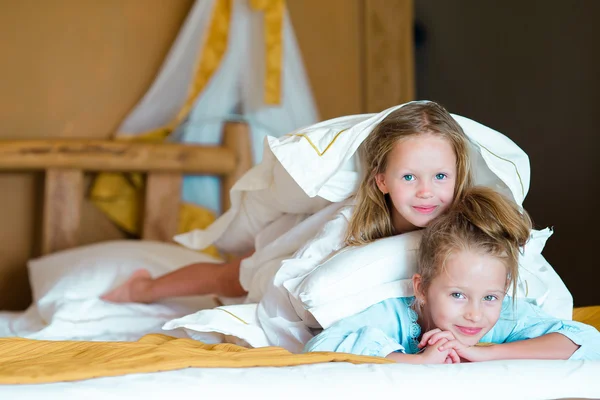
(388, 54)
(358, 53)
(329, 36)
(19, 217)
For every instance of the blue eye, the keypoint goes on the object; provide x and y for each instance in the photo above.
(457, 295)
(490, 298)
(441, 176)
(409, 177)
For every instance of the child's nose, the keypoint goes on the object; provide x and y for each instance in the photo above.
(473, 312)
(424, 190)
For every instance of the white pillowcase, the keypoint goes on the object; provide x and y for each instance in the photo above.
(359, 277)
(67, 285)
(326, 314)
(354, 269)
(539, 283)
(329, 146)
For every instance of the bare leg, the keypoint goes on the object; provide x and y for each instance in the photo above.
(194, 279)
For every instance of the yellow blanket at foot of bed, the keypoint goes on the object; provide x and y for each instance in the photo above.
(40, 361)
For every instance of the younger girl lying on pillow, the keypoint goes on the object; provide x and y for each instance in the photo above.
(467, 260)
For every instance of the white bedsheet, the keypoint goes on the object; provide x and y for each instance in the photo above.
(67, 287)
(491, 380)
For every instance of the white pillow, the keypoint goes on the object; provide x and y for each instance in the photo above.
(329, 313)
(235, 324)
(67, 285)
(359, 277)
(355, 278)
(353, 269)
(539, 283)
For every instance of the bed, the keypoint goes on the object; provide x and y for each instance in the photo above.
(63, 279)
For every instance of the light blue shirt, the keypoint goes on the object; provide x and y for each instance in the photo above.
(391, 325)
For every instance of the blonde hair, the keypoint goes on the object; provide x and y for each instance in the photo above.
(483, 221)
(372, 219)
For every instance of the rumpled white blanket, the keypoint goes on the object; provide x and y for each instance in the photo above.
(287, 197)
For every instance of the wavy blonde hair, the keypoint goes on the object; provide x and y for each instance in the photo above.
(483, 221)
(372, 217)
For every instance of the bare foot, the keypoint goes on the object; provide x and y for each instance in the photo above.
(134, 290)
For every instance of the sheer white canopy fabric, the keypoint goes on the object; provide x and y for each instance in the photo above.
(235, 90)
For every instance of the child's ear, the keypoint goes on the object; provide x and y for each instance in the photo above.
(417, 281)
(380, 181)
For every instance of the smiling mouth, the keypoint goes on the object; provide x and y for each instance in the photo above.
(468, 331)
(425, 210)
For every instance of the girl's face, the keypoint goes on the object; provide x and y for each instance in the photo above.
(466, 297)
(420, 179)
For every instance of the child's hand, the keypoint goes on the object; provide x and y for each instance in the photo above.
(433, 354)
(465, 352)
(433, 336)
(436, 335)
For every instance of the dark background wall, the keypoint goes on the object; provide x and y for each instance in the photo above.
(529, 69)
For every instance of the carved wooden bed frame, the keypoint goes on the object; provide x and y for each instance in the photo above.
(65, 161)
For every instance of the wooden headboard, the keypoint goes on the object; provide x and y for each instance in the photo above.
(66, 160)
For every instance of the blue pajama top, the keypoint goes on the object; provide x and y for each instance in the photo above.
(391, 325)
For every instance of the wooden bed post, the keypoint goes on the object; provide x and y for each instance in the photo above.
(236, 137)
(161, 206)
(63, 195)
